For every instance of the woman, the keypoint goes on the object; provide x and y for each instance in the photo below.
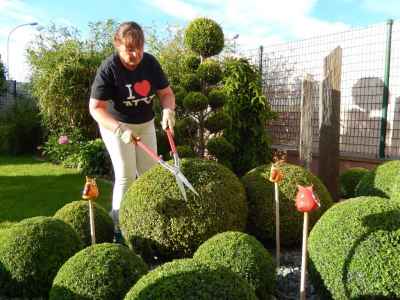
(121, 103)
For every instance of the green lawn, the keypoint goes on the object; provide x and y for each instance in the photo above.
(29, 187)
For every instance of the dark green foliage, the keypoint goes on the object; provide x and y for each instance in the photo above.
(180, 94)
(260, 197)
(349, 179)
(3, 81)
(217, 121)
(100, 272)
(186, 279)
(31, 252)
(157, 221)
(204, 37)
(380, 181)
(185, 151)
(220, 148)
(244, 255)
(195, 101)
(191, 62)
(191, 82)
(250, 111)
(216, 98)
(76, 214)
(210, 72)
(354, 250)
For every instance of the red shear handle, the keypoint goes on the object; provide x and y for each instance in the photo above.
(147, 149)
(171, 140)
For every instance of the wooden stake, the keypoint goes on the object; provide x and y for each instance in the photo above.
(304, 259)
(277, 222)
(92, 226)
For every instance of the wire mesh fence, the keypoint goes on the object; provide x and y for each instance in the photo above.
(362, 125)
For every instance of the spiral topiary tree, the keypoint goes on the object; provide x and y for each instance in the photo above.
(31, 252)
(102, 271)
(260, 196)
(188, 279)
(156, 221)
(244, 255)
(76, 214)
(354, 250)
(348, 181)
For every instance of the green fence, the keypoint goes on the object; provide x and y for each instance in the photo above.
(370, 88)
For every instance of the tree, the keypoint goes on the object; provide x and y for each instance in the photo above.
(3, 81)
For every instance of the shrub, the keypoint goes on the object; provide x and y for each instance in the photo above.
(156, 220)
(354, 250)
(185, 151)
(191, 82)
(204, 37)
(102, 271)
(349, 179)
(31, 252)
(195, 101)
(221, 149)
(260, 195)
(191, 62)
(76, 214)
(380, 181)
(216, 98)
(217, 121)
(210, 72)
(244, 255)
(187, 279)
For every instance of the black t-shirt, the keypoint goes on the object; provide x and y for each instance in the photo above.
(131, 92)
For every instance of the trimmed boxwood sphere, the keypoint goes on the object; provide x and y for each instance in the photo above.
(156, 220)
(260, 195)
(204, 37)
(188, 279)
(245, 256)
(217, 121)
(102, 271)
(380, 181)
(191, 82)
(31, 252)
(216, 98)
(220, 148)
(349, 179)
(76, 214)
(210, 72)
(195, 102)
(191, 62)
(354, 250)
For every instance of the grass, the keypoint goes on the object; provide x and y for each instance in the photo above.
(29, 187)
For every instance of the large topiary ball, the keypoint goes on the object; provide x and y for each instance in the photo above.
(31, 252)
(210, 72)
(76, 214)
(204, 37)
(349, 179)
(188, 279)
(102, 271)
(260, 195)
(156, 220)
(354, 250)
(380, 181)
(244, 255)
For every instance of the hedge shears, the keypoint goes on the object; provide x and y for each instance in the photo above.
(181, 180)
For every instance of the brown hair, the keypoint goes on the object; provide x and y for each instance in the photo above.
(130, 34)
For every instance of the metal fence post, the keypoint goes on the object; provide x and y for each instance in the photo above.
(385, 97)
(260, 59)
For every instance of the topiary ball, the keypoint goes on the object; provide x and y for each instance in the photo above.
(31, 252)
(260, 194)
(76, 214)
(204, 37)
(191, 62)
(157, 221)
(217, 121)
(191, 82)
(216, 98)
(185, 151)
(102, 271)
(354, 250)
(195, 102)
(188, 279)
(349, 179)
(244, 255)
(220, 148)
(380, 181)
(210, 72)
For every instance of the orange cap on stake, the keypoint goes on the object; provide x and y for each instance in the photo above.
(306, 200)
(90, 190)
(276, 174)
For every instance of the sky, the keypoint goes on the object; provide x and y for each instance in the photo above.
(257, 22)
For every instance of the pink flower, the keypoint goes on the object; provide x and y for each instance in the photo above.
(63, 140)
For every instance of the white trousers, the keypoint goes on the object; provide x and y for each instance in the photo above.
(129, 161)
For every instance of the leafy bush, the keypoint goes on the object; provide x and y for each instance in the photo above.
(103, 271)
(380, 181)
(195, 101)
(204, 37)
(216, 98)
(187, 279)
(210, 72)
(217, 121)
(260, 197)
(221, 149)
(349, 179)
(244, 255)
(31, 252)
(157, 221)
(191, 62)
(191, 82)
(76, 214)
(354, 250)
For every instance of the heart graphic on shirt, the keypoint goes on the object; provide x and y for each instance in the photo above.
(142, 88)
